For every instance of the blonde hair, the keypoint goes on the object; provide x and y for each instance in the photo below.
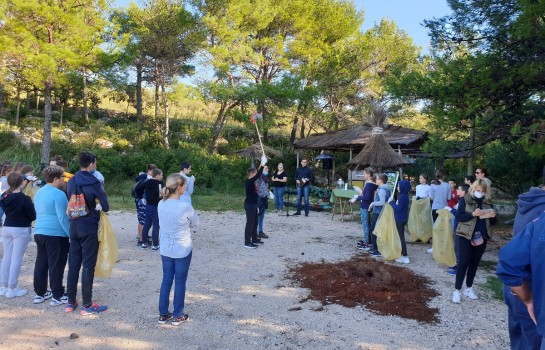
(482, 183)
(172, 183)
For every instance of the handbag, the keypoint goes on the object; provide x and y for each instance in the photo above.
(76, 205)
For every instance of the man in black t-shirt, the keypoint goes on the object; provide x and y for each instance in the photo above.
(303, 178)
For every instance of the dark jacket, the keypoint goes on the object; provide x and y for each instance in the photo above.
(530, 206)
(84, 182)
(19, 210)
(251, 188)
(304, 172)
(151, 189)
(401, 207)
(139, 186)
(368, 194)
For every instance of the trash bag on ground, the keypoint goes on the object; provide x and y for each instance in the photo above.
(420, 223)
(442, 242)
(107, 247)
(388, 242)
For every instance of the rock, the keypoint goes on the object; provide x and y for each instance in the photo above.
(74, 336)
(103, 143)
(29, 130)
(67, 132)
(183, 136)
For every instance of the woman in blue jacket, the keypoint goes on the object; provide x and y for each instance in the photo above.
(401, 212)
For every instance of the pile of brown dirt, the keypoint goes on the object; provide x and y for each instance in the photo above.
(380, 287)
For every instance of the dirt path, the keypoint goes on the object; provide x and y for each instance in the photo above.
(241, 299)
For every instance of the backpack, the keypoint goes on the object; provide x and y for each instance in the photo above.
(76, 205)
(137, 191)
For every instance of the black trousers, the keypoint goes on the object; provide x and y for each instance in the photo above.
(372, 228)
(52, 253)
(401, 232)
(250, 231)
(83, 255)
(470, 257)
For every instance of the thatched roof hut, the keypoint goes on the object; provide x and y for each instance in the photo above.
(254, 151)
(377, 152)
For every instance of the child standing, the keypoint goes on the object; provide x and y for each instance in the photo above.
(401, 212)
(152, 188)
(366, 197)
(423, 189)
(382, 195)
(439, 193)
(15, 235)
(454, 197)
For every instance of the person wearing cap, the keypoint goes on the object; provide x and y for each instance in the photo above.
(523, 332)
(189, 182)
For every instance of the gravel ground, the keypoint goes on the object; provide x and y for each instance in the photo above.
(241, 299)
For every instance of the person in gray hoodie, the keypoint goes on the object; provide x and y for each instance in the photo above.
(382, 195)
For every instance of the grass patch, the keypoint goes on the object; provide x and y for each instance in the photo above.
(218, 202)
(494, 284)
(488, 265)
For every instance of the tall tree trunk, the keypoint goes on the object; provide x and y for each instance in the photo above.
(219, 124)
(37, 97)
(2, 101)
(471, 157)
(302, 134)
(18, 99)
(156, 98)
(166, 130)
(139, 91)
(85, 96)
(294, 128)
(27, 100)
(62, 112)
(46, 138)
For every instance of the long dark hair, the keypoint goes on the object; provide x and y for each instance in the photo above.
(15, 180)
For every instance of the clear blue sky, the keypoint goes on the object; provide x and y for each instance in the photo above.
(407, 14)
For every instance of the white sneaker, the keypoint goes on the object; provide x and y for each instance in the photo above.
(41, 298)
(61, 301)
(3, 290)
(468, 292)
(15, 292)
(403, 260)
(430, 251)
(456, 297)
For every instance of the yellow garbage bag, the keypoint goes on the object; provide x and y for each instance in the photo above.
(420, 223)
(107, 247)
(388, 242)
(442, 243)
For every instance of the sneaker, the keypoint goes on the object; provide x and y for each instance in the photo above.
(430, 251)
(376, 254)
(456, 297)
(403, 260)
(15, 292)
(262, 235)
(258, 241)
(144, 246)
(164, 318)
(56, 302)
(468, 292)
(3, 291)
(297, 213)
(250, 246)
(177, 320)
(451, 271)
(70, 307)
(38, 299)
(94, 308)
(154, 247)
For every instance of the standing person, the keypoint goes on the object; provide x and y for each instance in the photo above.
(84, 236)
(51, 233)
(439, 193)
(474, 232)
(303, 178)
(522, 329)
(262, 200)
(251, 240)
(279, 182)
(401, 212)
(423, 189)
(469, 180)
(152, 189)
(366, 198)
(454, 197)
(6, 169)
(461, 191)
(15, 235)
(382, 195)
(177, 219)
(139, 198)
(189, 182)
(482, 174)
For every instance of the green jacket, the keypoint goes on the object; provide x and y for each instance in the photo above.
(466, 229)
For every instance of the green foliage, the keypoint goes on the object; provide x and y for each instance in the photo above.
(494, 284)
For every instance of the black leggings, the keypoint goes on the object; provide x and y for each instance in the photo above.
(401, 231)
(470, 256)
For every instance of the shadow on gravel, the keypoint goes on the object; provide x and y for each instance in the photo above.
(382, 288)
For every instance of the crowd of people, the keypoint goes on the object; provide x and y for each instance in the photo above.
(64, 213)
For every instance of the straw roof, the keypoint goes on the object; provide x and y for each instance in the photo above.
(357, 136)
(255, 151)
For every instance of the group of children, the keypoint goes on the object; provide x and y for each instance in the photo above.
(470, 204)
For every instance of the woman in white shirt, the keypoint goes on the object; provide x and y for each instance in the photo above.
(176, 219)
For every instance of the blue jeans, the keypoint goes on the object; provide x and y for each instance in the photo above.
(152, 218)
(260, 218)
(303, 191)
(279, 197)
(174, 268)
(364, 214)
(522, 330)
